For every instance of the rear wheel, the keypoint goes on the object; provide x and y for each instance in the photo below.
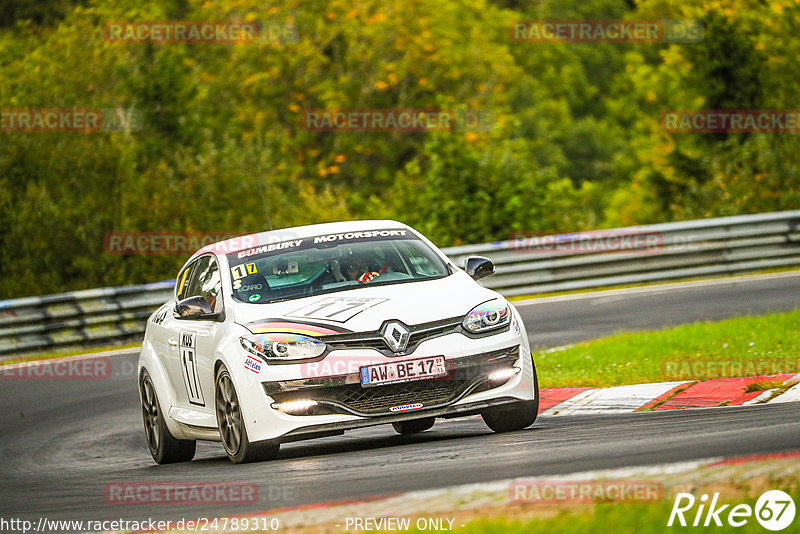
(231, 425)
(164, 447)
(515, 416)
(413, 427)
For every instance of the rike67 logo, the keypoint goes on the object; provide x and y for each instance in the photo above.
(774, 510)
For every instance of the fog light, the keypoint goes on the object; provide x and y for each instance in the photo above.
(297, 407)
(503, 374)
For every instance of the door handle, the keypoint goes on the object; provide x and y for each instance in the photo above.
(173, 343)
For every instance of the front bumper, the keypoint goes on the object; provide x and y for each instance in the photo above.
(447, 412)
(342, 403)
(345, 395)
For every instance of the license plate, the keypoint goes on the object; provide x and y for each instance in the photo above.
(405, 371)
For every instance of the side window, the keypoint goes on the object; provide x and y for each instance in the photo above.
(183, 282)
(423, 261)
(204, 281)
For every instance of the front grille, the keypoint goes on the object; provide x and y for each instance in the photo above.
(374, 340)
(379, 399)
(466, 375)
(418, 336)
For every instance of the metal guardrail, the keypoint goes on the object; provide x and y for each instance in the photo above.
(80, 318)
(525, 265)
(726, 245)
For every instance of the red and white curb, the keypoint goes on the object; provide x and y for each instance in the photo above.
(667, 396)
(617, 399)
(791, 395)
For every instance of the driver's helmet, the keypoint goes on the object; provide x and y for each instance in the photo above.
(355, 265)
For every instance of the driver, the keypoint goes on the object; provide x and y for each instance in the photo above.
(358, 269)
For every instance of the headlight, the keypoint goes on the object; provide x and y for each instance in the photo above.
(283, 347)
(488, 316)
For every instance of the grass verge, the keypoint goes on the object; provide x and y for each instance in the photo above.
(622, 518)
(744, 346)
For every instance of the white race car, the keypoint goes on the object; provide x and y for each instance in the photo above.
(310, 331)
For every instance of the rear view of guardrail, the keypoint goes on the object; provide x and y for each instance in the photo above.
(524, 265)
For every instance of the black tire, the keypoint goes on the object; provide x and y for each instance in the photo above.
(231, 425)
(164, 447)
(515, 416)
(414, 426)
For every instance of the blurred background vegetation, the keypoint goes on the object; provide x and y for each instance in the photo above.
(577, 143)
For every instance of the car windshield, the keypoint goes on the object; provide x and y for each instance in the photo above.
(336, 262)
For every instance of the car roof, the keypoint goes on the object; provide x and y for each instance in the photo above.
(297, 232)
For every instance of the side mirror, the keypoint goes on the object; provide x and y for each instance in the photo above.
(195, 308)
(478, 267)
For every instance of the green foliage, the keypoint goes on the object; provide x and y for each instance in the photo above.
(574, 142)
(36, 11)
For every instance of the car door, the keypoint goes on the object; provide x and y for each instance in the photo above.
(191, 341)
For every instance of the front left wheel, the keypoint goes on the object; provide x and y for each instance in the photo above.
(414, 426)
(230, 422)
(164, 447)
(517, 416)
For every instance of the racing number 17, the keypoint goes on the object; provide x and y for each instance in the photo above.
(189, 365)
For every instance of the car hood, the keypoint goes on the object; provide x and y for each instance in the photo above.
(366, 308)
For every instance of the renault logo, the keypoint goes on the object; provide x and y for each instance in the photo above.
(396, 336)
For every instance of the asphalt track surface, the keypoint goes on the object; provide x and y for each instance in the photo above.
(64, 441)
